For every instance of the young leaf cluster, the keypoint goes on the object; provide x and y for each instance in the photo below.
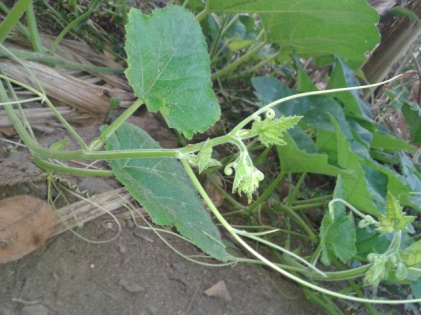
(270, 131)
(247, 177)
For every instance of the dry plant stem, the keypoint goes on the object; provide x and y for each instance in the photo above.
(35, 115)
(82, 211)
(392, 47)
(56, 61)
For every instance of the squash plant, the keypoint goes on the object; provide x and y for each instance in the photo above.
(169, 71)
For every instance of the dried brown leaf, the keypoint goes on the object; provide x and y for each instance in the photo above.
(25, 224)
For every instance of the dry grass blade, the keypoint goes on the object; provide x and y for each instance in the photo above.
(83, 211)
(42, 115)
(62, 87)
(85, 90)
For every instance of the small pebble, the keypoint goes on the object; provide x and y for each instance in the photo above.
(131, 287)
(37, 309)
(122, 249)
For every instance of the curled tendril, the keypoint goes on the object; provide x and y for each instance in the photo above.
(401, 271)
(368, 220)
(270, 113)
(229, 169)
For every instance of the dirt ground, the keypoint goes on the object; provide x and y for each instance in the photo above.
(136, 273)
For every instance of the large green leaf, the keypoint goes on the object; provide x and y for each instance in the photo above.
(169, 68)
(370, 241)
(163, 188)
(413, 119)
(411, 256)
(313, 27)
(384, 140)
(296, 160)
(315, 109)
(337, 234)
(356, 187)
(399, 185)
(342, 76)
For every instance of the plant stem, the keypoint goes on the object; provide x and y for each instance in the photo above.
(309, 206)
(284, 251)
(40, 152)
(222, 191)
(267, 262)
(281, 207)
(313, 200)
(218, 37)
(33, 29)
(254, 68)
(293, 195)
(102, 139)
(231, 67)
(19, 25)
(70, 170)
(265, 194)
(67, 29)
(243, 123)
(123, 10)
(262, 157)
(357, 290)
(15, 120)
(12, 18)
(204, 13)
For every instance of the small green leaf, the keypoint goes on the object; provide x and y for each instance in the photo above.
(204, 158)
(270, 131)
(411, 256)
(169, 68)
(164, 189)
(394, 219)
(60, 145)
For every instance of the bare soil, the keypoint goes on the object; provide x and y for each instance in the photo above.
(136, 274)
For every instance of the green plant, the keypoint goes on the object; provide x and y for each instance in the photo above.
(168, 68)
